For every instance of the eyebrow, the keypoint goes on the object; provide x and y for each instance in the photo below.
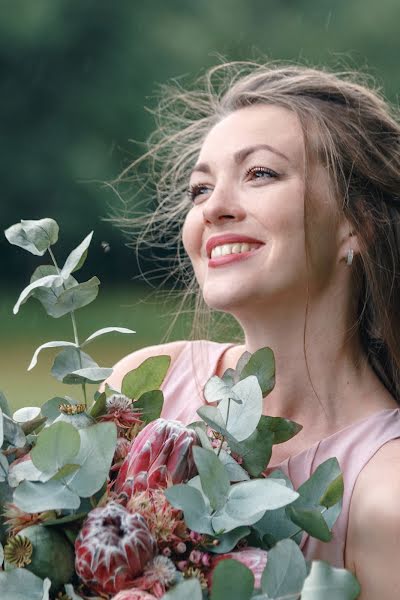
(240, 156)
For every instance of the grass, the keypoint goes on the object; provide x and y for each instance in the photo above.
(21, 334)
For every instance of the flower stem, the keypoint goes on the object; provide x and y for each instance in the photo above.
(226, 427)
(74, 327)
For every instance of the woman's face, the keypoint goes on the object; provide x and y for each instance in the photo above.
(245, 231)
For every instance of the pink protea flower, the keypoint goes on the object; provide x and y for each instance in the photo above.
(160, 455)
(133, 594)
(254, 558)
(112, 549)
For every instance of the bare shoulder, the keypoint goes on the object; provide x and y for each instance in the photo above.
(133, 360)
(373, 537)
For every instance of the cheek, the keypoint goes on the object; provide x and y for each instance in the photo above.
(192, 241)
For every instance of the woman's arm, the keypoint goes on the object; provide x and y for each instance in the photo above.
(373, 538)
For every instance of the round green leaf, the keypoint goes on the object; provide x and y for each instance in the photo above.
(77, 257)
(191, 502)
(213, 476)
(35, 236)
(231, 579)
(56, 446)
(329, 583)
(190, 588)
(147, 377)
(285, 571)
(242, 419)
(261, 364)
(69, 360)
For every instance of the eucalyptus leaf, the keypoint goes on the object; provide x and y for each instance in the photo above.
(234, 470)
(274, 526)
(282, 429)
(56, 446)
(242, 362)
(189, 588)
(77, 257)
(242, 419)
(203, 437)
(3, 467)
(217, 390)
(35, 236)
(312, 521)
(76, 297)
(65, 471)
(191, 502)
(33, 497)
(285, 571)
(94, 457)
(1, 555)
(69, 360)
(56, 344)
(20, 584)
(71, 592)
(227, 541)
(248, 500)
(13, 432)
(150, 405)
(44, 282)
(256, 450)
(329, 583)
(26, 414)
(51, 408)
(213, 476)
(4, 405)
(99, 407)
(105, 330)
(146, 377)
(25, 470)
(48, 297)
(88, 375)
(261, 364)
(315, 487)
(333, 493)
(213, 417)
(231, 579)
(230, 377)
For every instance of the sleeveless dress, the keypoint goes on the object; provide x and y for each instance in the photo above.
(353, 446)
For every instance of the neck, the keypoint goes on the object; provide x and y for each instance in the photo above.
(320, 366)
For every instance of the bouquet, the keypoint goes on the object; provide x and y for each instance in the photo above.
(104, 499)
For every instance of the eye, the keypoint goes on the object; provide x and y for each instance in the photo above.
(198, 189)
(261, 173)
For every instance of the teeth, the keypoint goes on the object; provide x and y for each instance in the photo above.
(227, 249)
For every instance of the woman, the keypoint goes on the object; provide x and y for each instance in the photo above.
(291, 225)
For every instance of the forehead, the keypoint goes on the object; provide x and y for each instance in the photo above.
(255, 125)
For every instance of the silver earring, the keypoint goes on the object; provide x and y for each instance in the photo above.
(350, 256)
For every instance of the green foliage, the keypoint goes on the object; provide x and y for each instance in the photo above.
(285, 571)
(261, 364)
(329, 583)
(190, 588)
(233, 580)
(147, 377)
(34, 236)
(20, 584)
(150, 405)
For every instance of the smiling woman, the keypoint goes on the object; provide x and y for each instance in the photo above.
(286, 181)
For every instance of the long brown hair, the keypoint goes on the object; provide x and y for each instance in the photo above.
(358, 141)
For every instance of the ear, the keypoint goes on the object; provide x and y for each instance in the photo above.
(347, 240)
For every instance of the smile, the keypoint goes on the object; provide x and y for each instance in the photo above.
(228, 249)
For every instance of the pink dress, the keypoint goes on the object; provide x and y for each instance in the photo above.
(353, 446)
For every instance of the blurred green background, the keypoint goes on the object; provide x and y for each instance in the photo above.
(75, 78)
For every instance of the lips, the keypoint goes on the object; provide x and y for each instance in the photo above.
(229, 238)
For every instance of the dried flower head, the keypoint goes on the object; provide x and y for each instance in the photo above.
(72, 409)
(18, 551)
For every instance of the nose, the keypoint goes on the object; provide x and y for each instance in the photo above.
(222, 205)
